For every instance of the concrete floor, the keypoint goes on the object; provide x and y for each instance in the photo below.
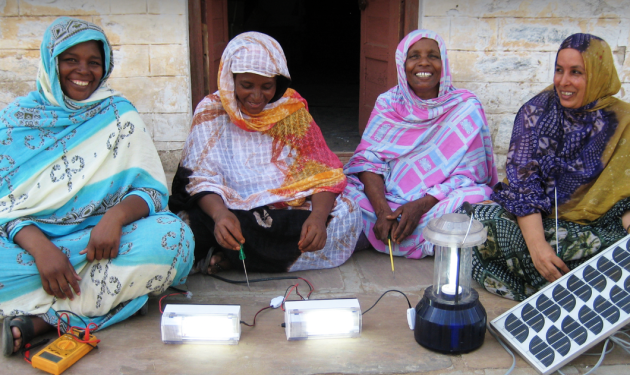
(386, 345)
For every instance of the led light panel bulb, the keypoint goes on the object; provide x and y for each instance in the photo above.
(201, 324)
(340, 318)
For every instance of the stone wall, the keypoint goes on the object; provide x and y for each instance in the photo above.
(504, 50)
(150, 42)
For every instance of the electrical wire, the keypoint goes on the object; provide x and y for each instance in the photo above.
(625, 345)
(254, 323)
(382, 295)
(312, 289)
(187, 293)
(287, 293)
(496, 337)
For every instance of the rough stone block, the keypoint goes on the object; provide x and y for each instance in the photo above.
(473, 34)
(502, 97)
(535, 34)
(526, 8)
(499, 66)
(170, 161)
(169, 60)
(9, 8)
(23, 32)
(167, 6)
(615, 31)
(147, 118)
(624, 93)
(440, 25)
(171, 127)
(500, 160)
(18, 65)
(131, 61)
(169, 146)
(501, 128)
(624, 72)
(63, 7)
(128, 6)
(144, 28)
(9, 91)
(157, 94)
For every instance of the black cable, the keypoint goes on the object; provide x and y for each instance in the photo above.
(254, 323)
(383, 295)
(260, 280)
(178, 289)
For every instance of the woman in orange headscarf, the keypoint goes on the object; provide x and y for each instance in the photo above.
(256, 172)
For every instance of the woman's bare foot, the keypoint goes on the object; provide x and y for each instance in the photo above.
(39, 326)
(218, 263)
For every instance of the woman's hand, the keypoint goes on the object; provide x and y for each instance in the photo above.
(544, 257)
(104, 240)
(58, 276)
(313, 236)
(384, 226)
(374, 188)
(548, 264)
(410, 214)
(105, 236)
(227, 230)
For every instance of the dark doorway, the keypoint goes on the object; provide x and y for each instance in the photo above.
(321, 40)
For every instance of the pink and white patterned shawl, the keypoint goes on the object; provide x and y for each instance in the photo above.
(440, 147)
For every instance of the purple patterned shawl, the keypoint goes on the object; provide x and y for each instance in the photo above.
(553, 146)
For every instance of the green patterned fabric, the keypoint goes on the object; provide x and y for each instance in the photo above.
(503, 265)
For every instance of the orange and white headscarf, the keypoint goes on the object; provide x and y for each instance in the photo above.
(276, 158)
(260, 54)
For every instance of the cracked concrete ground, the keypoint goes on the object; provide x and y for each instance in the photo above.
(386, 345)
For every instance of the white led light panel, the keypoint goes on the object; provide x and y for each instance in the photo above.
(572, 314)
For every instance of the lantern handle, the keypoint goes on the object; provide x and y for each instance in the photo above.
(469, 210)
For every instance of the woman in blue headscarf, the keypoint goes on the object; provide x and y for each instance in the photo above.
(83, 225)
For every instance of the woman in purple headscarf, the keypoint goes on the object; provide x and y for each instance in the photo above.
(568, 160)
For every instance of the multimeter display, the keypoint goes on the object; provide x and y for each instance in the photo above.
(62, 353)
(50, 357)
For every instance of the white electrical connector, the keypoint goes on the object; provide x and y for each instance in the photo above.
(411, 318)
(276, 302)
(189, 295)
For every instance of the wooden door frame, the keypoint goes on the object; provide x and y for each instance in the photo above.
(203, 82)
(203, 47)
(403, 18)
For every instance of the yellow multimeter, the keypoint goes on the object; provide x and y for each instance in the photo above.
(62, 353)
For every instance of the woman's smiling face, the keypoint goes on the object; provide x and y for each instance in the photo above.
(424, 68)
(80, 70)
(569, 78)
(254, 91)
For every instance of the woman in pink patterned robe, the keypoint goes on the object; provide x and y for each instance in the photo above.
(426, 150)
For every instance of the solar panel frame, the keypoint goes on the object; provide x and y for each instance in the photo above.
(587, 309)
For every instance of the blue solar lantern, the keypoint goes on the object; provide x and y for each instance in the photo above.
(450, 318)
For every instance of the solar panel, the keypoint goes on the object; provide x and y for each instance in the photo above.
(572, 314)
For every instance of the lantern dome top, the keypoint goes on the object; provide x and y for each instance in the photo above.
(450, 230)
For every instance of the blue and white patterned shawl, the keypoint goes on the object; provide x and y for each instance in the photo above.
(63, 163)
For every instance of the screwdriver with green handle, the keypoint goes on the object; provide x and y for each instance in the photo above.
(241, 256)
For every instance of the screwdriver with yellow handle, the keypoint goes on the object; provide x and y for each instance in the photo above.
(391, 255)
